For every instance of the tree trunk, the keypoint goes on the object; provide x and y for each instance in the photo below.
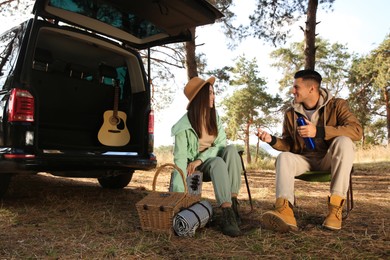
(248, 153)
(190, 47)
(257, 150)
(310, 35)
(192, 68)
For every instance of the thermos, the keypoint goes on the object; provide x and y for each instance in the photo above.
(308, 140)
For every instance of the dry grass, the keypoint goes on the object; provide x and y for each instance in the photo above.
(45, 217)
(373, 154)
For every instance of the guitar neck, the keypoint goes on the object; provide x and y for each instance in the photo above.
(116, 97)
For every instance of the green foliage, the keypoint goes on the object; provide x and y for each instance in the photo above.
(368, 82)
(250, 106)
(381, 56)
(234, 34)
(271, 19)
(375, 132)
(333, 61)
(362, 95)
(288, 60)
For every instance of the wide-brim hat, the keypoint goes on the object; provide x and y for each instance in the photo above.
(194, 86)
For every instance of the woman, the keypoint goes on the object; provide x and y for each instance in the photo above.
(200, 144)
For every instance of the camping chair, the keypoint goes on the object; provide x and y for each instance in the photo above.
(325, 176)
(241, 152)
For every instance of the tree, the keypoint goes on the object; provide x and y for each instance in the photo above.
(369, 84)
(272, 18)
(333, 63)
(382, 77)
(250, 106)
(190, 46)
(361, 99)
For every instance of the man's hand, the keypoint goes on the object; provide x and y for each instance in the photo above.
(263, 135)
(308, 130)
(191, 167)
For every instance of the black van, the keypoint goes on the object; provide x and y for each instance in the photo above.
(74, 94)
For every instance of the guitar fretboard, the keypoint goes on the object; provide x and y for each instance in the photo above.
(116, 97)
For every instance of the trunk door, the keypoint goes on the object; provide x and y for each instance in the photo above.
(137, 23)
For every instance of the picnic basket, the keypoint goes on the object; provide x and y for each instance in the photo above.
(157, 209)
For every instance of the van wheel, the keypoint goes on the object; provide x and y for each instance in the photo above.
(117, 180)
(5, 180)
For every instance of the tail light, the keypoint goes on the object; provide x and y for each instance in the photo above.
(18, 156)
(151, 122)
(21, 106)
(151, 135)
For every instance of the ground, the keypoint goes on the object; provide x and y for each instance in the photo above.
(46, 217)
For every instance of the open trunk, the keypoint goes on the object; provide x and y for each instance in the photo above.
(71, 79)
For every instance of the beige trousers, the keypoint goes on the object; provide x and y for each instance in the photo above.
(338, 159)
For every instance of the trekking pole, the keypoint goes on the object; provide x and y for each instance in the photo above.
(246, 179)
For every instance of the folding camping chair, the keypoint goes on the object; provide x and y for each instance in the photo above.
(325, 176)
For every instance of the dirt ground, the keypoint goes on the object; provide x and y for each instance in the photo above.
(46, 217)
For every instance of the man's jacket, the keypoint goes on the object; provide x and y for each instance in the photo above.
(332, 118)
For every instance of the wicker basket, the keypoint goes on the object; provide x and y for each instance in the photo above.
(157, 209)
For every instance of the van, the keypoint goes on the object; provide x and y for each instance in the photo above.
(74, 93)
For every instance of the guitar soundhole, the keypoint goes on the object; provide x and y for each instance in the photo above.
(118, 122)
(114, 120)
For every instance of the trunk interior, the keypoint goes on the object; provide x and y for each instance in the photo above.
(71, 79)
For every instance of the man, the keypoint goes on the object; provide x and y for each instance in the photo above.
(333, 128)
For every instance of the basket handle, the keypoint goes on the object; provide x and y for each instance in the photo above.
(173, 166)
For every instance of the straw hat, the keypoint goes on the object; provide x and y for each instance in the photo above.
(194, 85)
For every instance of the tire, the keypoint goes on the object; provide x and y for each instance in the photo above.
(5, 180)
(117, 180)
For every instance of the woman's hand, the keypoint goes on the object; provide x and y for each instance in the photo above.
(191, 167)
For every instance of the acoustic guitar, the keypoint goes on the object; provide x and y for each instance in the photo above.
(114, 131)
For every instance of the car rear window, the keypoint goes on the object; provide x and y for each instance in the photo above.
(105, 12)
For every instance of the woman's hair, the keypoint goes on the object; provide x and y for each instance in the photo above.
(199, 110)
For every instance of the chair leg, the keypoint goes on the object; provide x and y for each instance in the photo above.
(246, 179)
(349, 196)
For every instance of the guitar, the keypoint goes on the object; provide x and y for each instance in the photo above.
(114, 131)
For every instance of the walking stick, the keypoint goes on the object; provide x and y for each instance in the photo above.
(246, 179)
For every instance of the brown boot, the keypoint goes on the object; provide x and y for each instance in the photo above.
(281, 218)
(335, 216)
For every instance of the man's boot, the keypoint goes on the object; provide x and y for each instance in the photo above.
(235, 207)
(335, 216)
(228, 223)
(281, 218)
